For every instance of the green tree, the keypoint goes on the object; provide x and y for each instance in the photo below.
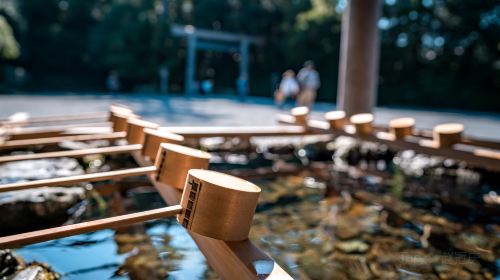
(9, 47)
(127, 39)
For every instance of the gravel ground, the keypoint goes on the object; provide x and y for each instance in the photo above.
(223, 110)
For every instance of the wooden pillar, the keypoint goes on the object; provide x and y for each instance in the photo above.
(359, 53)
(190, 65)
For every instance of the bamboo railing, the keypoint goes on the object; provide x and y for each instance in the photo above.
(445, 140)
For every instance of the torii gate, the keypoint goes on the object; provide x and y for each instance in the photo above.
(202, 39)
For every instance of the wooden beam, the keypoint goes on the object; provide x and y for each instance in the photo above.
(55, 140)
(74, 153)
(239, 131)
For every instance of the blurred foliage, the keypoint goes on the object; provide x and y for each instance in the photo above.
(9, 48)
(433, 52)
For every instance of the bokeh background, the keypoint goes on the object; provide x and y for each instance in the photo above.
(434, 53)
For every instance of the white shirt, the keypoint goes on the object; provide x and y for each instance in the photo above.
(289, 86)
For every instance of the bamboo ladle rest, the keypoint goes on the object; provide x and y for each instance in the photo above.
(213, 204)
(171, 159)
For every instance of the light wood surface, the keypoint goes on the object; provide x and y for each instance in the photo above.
(135, 130)
(154, 137)
(18, 240)
(73, 153)
(54, 140)
(92, 177)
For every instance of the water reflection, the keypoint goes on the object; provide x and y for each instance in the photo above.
(164, 251)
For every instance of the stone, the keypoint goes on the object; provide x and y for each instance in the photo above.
(8, 263)
(448, 272)
(352, 246)
(13, 267)
(28, 170)
(35, 271)
(33, 208)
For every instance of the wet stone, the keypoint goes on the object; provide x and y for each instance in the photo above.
(36, 271)
(448, 272)
(8, 263)
(29, 170)
(13, 267)
(31, 209)
(352, 246)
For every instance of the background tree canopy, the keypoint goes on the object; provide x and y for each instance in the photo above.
(433, 53)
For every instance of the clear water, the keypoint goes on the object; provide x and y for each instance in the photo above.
(98, 258)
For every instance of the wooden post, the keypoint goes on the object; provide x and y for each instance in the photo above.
(359, 52)
(402, 127)
(336, 119)
(362, 123)
(301, 114)
(446, 135)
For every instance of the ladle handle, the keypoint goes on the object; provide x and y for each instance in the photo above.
(92, 177)
(69, 230)
(11, 144)
(74, 153)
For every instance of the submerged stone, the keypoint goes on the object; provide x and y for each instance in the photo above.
(352, 246)
(13, 267)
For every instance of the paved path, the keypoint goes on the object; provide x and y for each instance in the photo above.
(181, 111)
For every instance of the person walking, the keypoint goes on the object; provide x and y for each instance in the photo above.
(309, 83)
(288, 89)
